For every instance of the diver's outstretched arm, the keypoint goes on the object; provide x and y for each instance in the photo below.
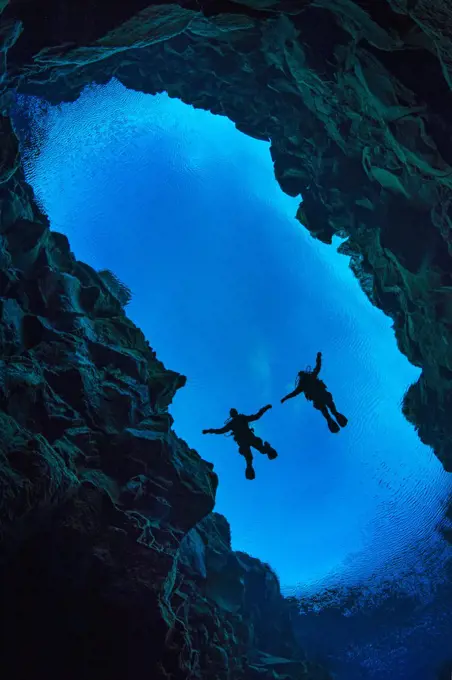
(221, 430)
(259, 414)
(318, 364)
(291, 395)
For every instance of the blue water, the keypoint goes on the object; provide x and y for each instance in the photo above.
(232, 292)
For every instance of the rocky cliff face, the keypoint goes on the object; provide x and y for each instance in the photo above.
(445, 672)
(112, 564)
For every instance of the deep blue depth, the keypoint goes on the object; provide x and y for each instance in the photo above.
(232, 292)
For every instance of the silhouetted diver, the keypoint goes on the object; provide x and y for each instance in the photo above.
(315, 390)
(244, 435)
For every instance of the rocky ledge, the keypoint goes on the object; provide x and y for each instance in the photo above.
(112, 564)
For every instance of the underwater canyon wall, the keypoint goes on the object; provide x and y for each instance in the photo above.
(112, 550)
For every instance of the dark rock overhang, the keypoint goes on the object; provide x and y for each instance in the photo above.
(354, 97)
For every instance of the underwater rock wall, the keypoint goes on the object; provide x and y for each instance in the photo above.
(112, 564)
(445, 672)
(354, 96)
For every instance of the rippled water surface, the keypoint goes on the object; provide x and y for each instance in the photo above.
(232, 292)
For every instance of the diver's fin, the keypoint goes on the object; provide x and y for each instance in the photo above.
(334, 427)
(270, 451)
(249, 472)
(342, 420)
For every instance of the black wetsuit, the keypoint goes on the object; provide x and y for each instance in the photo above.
(315, 390)
(244, 436)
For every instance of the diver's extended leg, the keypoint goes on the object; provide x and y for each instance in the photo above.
(264, 447)
(332, 425)
(245, 451)
(341, 419)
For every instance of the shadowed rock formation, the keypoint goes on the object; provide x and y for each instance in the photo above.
(445, 672)
(354, 97)
(112, 565)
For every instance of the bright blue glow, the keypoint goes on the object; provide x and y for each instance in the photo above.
(232, 292)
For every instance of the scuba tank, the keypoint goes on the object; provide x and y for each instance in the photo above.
(231, 434)
(302, 376)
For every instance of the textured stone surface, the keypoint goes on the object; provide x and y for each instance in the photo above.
(112, 563)
(445, 671)
(253, 618)
(354, 96)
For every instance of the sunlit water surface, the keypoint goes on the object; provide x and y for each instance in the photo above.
(232, 292)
